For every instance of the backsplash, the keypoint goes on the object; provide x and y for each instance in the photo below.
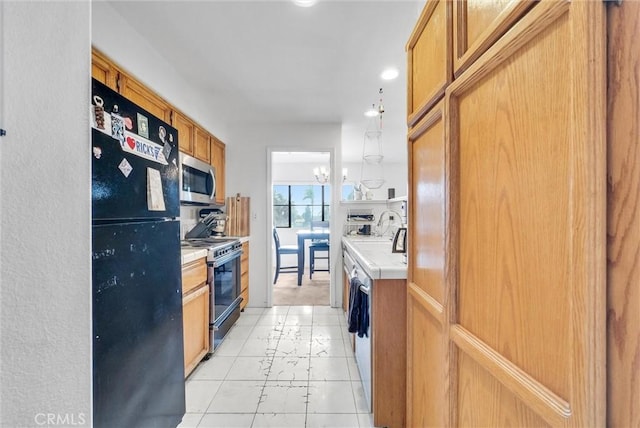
(188, 219)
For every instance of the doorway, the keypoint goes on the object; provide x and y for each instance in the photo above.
(300, 200)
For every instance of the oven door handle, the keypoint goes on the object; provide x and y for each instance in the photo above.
(226, 258)
(365, 290)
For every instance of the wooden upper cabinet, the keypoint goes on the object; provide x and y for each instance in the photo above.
(429, 59)
(202, 149)
(477, 24)
(186, 132)
(218, 153)
(144, 97)
(104, 70)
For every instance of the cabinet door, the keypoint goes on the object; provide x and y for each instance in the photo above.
(526, 283)
(477, 24)
(202, 146)
(388, 347)
(427, 355)
(103, 70)
(144, 97)
(429, 59)
(186, 132)
(195, 316)
(218, 153)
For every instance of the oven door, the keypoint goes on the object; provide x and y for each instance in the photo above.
(226, 295)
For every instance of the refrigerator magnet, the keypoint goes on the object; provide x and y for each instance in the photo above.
(162, 133)
(125, 167)
(98, 112)
(100, 120)
(143, 126)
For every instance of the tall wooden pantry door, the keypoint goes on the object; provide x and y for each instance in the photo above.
(506, 309)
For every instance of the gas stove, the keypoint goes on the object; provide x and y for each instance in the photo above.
(219, 247)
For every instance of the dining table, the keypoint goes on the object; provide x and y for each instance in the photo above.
(303, 235)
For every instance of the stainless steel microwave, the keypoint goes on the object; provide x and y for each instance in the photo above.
(197, 181)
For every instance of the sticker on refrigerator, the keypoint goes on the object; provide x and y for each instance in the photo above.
(125, 167)
(155, 196)
(143, 126)
(143, 148)
(117, 127)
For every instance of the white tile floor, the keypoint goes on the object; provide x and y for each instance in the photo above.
(285, 366)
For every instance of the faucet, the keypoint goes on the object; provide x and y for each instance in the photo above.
(382, 215)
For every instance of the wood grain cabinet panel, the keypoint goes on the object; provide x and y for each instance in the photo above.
(144, 97)
(104, 70)
(623, 217)
(507, 251)
(427, 401)
(244, 275)
(388, 352)
(195, 313)
(429, 59)
(202, 149)
(195, 318)
(427, 207)
(186, 132)
(477, 24)
(193, 275)
(528, 138)
(218, 161)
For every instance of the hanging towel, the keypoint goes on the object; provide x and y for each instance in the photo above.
(358, 309)
(354, 304)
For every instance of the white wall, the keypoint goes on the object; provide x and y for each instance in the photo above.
(249, 157)
(45, 214)
(119, 41)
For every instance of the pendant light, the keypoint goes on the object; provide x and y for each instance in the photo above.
(372, 174)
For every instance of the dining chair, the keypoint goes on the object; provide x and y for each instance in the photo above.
(280, 250)
(318, 245)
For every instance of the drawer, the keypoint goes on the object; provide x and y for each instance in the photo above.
(193, 274)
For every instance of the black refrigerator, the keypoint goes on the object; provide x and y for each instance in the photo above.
(138, 355)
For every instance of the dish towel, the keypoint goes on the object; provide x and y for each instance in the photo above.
(358, 309)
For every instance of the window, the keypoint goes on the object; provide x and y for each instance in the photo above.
(298, 205)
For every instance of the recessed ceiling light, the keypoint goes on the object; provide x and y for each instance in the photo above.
(371, 113)
(304, 3)
(389, 74)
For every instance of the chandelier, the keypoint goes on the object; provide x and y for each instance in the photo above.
(322, 174)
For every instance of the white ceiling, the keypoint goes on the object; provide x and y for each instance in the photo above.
(272, 61)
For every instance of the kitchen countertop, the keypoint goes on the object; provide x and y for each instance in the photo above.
(375, 256)
(188, 255)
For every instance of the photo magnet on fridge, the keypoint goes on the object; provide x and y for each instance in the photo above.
(143, 126)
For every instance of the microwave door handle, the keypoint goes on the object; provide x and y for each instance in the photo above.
(213, 179)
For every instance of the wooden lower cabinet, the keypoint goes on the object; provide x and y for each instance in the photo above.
(244, 275)
(195, 313)
(388, 352)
